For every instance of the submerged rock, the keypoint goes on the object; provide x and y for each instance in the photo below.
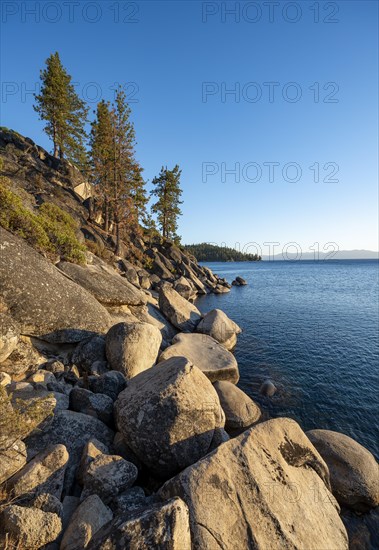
(168, 416)
(207, 354)
(267, 488)
(354, 472)
(268, 388)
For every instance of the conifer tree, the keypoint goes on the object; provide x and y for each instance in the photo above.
(116, 173)
(167, 190)
(101, 147)
(63, 111)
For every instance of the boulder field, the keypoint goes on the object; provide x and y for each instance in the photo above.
(122, 426)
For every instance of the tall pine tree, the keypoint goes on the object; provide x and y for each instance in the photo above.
(116, 173)
(167, 190)
(101, 146)
(64, 112)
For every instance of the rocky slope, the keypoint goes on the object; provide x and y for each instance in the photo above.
(121, 422)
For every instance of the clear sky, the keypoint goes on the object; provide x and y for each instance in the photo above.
(305, 81)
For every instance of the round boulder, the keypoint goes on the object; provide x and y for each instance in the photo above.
(168, 416)
(354, 472)
(132, 347)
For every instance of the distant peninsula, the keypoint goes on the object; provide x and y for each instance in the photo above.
(205, 252)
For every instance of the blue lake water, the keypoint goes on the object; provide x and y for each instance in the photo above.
(312, 328)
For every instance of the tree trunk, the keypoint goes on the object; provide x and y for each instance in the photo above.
(106, 218)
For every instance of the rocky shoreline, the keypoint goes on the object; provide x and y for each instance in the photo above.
(147, 442)
(121, 422)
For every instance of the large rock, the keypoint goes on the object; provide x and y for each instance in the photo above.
(50, 400)
(212, 358)
(218, 325)
(13, 458)
(181, 313)
(29, 528)
(9, 335)
(163, 526)
(108, 288)
(73, 430)
(240, 411)
(40, 298)
(265, 489)
(87, 519)
(354, 472)
(92, 449)
(43, 474)
(108, 475)
(129, 272)
(168, 416)
(132, 347)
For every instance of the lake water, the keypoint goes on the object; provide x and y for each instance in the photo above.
(312, 328)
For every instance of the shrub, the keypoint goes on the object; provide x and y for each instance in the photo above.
(50, 230)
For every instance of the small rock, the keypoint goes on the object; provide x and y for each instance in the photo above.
(9, 336)
(92, 449)
(111, 383)
(12, 460)
(98, 368)
(54, 366)
(162, 526)
(239, 281)
(94, 404)
(240, 411)
(87, 519)
(44, 474)
(31, 527)
(89, 351)
(5, 379)
(48, 503)
(108, 475)
(41, 377)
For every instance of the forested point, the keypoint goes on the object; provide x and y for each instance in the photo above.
(205, 252)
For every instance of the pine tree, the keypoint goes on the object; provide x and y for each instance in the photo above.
(167, 189)
(64, 112)
(101, 155)
(116, 174)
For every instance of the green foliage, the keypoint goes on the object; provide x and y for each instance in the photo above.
(63, 111)
(168, 192)
(17, 420)
(50, 231)
(206, 252)
(116, 175)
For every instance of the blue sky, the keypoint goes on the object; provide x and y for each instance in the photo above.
(180, 59)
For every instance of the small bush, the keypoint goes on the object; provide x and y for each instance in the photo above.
(50, 231)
